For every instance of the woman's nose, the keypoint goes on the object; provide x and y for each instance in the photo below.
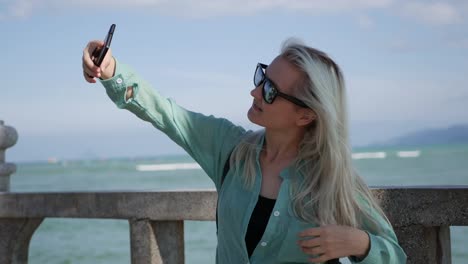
(256, 92)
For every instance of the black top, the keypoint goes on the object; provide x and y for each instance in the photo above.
(258, 222)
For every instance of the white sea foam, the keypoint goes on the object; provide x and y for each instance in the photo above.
(369, 155)
(168, 167)
(196, 166)
(409, 154)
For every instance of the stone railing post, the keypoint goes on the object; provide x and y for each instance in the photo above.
(15, 233)
(8, 138)
(422, 216)
(426, 244)
(157, 242)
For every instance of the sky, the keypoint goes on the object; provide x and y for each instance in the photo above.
(405, 64)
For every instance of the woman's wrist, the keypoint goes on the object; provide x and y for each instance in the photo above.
(363, 245)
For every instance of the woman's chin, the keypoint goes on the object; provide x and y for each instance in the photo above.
(250, 114)
(253, 117)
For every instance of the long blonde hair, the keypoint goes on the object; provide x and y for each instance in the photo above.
(326, 189)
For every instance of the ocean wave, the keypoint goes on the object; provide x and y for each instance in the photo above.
(409, 154)
(168, 167)
(369, 155)
(196, 166)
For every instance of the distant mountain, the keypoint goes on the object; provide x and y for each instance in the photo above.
(452, 135)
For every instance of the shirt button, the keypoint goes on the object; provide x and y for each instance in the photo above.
(119, 80)
(264, 244)
(276, 213)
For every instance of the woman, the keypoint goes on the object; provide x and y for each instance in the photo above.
(290, 194)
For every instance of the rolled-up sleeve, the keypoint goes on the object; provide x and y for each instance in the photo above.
(209, 140)
(384, 247)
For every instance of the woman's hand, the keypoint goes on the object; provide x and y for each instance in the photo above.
(334, 241)
(91, 71)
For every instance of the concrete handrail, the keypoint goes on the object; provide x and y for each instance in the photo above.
(421, 217)
(404, 206)
(166, 205)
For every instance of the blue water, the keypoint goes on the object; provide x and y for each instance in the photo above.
(107, 241)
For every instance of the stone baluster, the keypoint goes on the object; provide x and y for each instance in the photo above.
(15, 233)
(8, 138)
(157, 242)
(426, 244)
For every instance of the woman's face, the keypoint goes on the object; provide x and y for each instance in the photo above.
(281, 114)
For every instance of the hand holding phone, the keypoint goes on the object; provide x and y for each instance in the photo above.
(99, 53)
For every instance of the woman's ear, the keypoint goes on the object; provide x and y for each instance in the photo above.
(306, 117)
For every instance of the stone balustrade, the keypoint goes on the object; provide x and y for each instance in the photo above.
(421, 216)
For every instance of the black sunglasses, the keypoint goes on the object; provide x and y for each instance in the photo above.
(270, 90)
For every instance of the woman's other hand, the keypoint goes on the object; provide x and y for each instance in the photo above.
(91, 71)
(334, 241)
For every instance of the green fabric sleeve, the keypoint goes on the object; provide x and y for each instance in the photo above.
(384, 247)
(208, 140)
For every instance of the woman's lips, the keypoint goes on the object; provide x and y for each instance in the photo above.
(255, 107)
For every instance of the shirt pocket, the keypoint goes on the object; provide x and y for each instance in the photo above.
(290, 252)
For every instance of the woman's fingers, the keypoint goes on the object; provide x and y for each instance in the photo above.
(91, 73)
(311, 232)
(333, 241)
(311, 246)
(87, 70)
(87, 60)
(314, 250)
(310, 242)
(89, 78)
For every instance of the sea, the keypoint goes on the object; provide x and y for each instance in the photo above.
(63, 241)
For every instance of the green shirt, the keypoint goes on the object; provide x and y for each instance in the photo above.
(209, 141)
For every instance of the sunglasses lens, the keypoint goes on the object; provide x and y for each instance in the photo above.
(269, 92)
(259, 75)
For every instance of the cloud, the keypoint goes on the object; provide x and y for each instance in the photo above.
(438, 13)
(196, 8)
(19, 9)
(365, 22)
(400, 45)
(406, 99)
(461, 43)
(433, 13)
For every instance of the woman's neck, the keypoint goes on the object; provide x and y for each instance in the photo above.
(282, 145)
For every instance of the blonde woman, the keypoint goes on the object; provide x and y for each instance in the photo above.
(290, 193)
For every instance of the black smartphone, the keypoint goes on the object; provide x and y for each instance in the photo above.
(100, 53)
